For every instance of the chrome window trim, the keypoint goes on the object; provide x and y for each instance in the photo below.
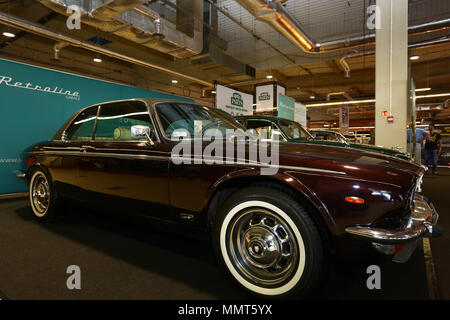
(99, 105)
(272, 124)
(169, 157)
(128, 141)
(63, 133)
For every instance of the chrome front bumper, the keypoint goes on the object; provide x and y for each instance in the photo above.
(422, 222)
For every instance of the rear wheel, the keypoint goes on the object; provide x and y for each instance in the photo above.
(269, 243)
(43, 198)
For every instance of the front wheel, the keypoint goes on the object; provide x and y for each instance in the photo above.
(269, 243)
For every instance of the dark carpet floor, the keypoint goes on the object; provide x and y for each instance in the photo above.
(119, 260)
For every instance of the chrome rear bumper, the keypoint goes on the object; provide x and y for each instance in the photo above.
(422, 222)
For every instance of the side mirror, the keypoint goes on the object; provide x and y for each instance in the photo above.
(276, 135)
(141, 131)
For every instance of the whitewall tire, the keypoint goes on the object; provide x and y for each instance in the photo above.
(268, 243)
(42, 196)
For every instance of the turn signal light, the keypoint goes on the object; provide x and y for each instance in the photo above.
(356, 200)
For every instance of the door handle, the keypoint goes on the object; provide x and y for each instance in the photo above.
(87, 148)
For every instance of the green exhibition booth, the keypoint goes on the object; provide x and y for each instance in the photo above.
(35, 103)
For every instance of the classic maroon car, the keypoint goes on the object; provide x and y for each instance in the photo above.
(272, 233)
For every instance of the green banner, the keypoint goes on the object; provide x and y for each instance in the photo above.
(35, 102)
(286, 107)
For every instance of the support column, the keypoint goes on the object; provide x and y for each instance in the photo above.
(391, 74)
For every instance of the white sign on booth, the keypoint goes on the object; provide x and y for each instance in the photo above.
(300, 114)
(234, 102)
(265, 98)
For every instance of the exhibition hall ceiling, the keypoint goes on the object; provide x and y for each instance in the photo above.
(240, 50)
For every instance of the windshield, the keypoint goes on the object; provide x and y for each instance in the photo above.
(341, 138)
(329, 136)
(194, 119)
(294, 130)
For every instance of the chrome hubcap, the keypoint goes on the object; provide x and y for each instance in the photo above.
(40, 193)
(263, 247)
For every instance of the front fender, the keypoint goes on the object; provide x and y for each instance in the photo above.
(246, 176)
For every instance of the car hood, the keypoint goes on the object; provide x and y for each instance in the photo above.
(352, 163)
(366, 147)
(377, 149)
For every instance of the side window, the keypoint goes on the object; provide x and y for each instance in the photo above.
(241, 121)
(261, 128)
(116, 119)
(82, 128)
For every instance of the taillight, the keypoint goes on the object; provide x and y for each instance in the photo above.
(30, 161)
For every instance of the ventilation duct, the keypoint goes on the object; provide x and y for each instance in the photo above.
(135, 20)
(274, 14)
(213, 55)
(66, 39)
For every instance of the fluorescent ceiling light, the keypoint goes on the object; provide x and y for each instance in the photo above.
(371, 127)
(9, 34)
(414, 58)
(269, 76)
(174, 81)
(340, 103)
(312, 97)
(423, 89)
(98, 60)
(433, 95)
(213, 92)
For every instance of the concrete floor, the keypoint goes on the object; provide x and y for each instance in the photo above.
(120, 260)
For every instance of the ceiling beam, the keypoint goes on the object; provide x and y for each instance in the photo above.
(334, 66)
(433, 69)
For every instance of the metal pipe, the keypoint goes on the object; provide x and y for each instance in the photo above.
(256, 36)
(341, 93)
(57, 48)
(38, 29)
(276, 15)
(249, 82)
(372, 35)
(428, 43)
(153, 15)
(134, 21)
(429, 24)
(343, 61)
(344, 64)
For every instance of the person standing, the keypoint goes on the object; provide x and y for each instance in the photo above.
(433, 147)
(420, 137)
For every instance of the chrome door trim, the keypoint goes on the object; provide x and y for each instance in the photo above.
(191, 159)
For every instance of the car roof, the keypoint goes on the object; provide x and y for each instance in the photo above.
(259, 117)
(324, 131)
(149, 101)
